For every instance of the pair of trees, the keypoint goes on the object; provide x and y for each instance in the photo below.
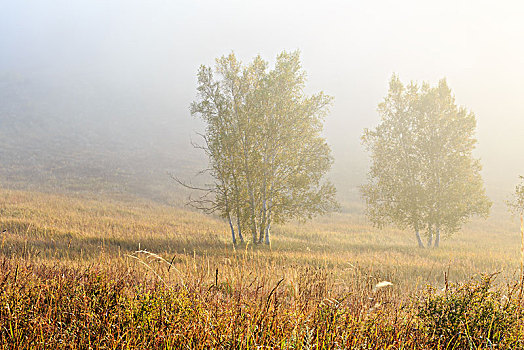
(263, 139)
(423, 174)
(267, 157)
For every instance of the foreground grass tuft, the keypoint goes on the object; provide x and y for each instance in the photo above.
(119, 308)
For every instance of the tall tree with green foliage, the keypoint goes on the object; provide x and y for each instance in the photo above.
(267, 156)
(423, 174)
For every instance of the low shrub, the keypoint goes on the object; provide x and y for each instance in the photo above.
(471, 315)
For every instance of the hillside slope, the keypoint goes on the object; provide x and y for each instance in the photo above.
(87, 138)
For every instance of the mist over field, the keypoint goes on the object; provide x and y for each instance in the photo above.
(96, 94)
(376, 228)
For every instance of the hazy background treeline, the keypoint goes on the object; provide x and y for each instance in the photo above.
(94, 95)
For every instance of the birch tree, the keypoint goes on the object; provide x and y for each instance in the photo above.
(423, 174)
(263, 138)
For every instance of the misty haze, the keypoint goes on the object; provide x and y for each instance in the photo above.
(261, 174)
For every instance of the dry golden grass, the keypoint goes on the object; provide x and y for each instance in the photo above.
(75, 230)
(329, 265)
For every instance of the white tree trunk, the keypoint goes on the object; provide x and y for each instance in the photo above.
(239, 229)
(268, 227)
(232, 228)
(419, 240)
(263, 222)
(437, 237)
(430, 239)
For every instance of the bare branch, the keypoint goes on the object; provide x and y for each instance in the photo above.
(189, 185)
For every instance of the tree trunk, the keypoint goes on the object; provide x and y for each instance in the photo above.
(267, 233)
(430, 239)
(419, 240)
(263, 219)
(239, 229)
(268, 225)
(237, 208)
(229, 220)
(253, 216)
(232, 228)
(250, 192)
(437, 237)
(262, 227)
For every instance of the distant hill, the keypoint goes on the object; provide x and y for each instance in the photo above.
(87, 138)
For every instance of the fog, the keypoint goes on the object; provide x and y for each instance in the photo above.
(102, 88)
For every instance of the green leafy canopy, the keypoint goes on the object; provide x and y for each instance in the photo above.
(423, 175)
(263, 139)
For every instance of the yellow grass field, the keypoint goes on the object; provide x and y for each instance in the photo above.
(337, 259)
(71, 229)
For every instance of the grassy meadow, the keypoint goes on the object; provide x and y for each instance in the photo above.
(83, 272)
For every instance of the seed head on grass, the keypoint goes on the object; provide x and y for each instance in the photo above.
(381, 285)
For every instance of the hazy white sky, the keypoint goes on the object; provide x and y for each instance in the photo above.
(349, 49)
